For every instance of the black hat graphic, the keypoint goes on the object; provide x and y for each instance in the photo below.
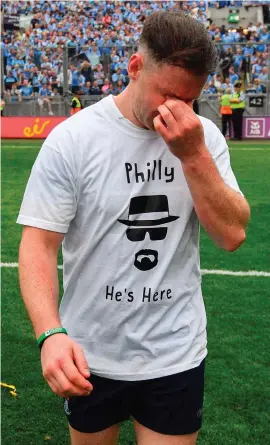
(148, 204)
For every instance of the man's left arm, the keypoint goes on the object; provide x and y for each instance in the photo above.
(222, 211)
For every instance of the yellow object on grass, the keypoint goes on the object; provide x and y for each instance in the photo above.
(12, 387)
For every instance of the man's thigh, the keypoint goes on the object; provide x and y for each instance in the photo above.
(145, 436)
(108, 436)
(171, 406)
(95, 419)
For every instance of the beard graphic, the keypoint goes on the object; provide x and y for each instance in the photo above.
(146, 259)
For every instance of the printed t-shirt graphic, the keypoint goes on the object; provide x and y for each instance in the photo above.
(155, 210)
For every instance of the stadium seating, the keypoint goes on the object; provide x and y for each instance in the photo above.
(97, 37)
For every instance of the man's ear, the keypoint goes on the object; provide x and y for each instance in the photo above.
(135, 66)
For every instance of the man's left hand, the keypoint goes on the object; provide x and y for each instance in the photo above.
(181, 129)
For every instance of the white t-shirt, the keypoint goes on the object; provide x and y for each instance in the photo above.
(132, 282)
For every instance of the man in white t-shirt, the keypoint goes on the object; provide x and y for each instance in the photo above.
(124, 184)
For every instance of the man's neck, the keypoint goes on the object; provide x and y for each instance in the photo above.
(123, 103)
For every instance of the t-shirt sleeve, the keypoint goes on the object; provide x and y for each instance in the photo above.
(49, 200)
(221, 155)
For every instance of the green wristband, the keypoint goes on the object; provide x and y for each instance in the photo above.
(48, 333)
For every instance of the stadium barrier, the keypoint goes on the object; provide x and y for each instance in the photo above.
(39, 127)
(60, 106)
(28, 127)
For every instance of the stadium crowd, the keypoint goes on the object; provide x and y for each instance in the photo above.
(98, 36)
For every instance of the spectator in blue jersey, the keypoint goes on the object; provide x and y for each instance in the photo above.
(265, 35)
(263, 76)
(232, 75)
(72, 46)
(44, 98)
(14, 95)
(257, 68)
(26, 89)
(123, 65)
(118, 76)
(37, 51)
(107, 45)
(206, 90)
(212, 87)
(75, 78)
(17, 61)
(9, 80)
(227, 84)
(27, 70)
(259, 88)
(85, 89)
(34, 79)
(228, 37)
(249, 50)
(238, 60)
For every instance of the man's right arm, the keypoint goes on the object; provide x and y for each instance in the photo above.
(63, 362)
(38, 277)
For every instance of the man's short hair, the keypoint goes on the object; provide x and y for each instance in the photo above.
(177, 39)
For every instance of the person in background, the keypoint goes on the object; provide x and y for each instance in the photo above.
(106, 86)
(99, 75)
(26, 89)
(9, 80)
(119, 87)
(218, 81)
(84, 90)
(44, 94)
(118, 76)
(259, 88)
(212, 87)
(2, 105)
(86, 71)
(250, 88)
(263, 76)
(226, 112)
(110, 90)
(95, 89)
(227, 84)
(237, 102)
(238, 61)
(232, 75)
(14, 95)
(257, 68)
(76, 104)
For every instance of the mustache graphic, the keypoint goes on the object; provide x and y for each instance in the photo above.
(146, 259)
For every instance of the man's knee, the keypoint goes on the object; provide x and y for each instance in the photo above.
(109, 436)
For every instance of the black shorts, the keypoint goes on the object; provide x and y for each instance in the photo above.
(168, 405)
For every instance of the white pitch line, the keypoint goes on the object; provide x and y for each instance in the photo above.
(249, 149)
(231, 148)
(20, 146)
(249, 273)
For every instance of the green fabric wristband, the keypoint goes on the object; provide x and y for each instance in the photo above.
(48, 333)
